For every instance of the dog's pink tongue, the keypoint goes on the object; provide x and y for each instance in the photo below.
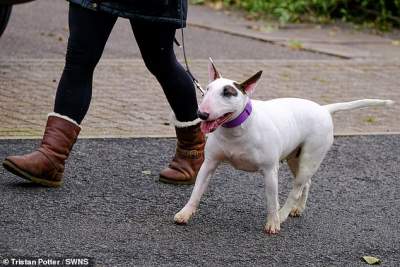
(208, 126)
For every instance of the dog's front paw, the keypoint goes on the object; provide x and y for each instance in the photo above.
(272, 229)
(272, 226)
(182, 217)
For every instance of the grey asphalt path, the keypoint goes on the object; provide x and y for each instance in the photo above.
(111, 210)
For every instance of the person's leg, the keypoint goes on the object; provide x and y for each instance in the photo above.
(156, 45)
(89, 32)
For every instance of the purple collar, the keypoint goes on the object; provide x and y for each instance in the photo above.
(241, 118)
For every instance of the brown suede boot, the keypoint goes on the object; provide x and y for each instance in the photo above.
(45, 166)
(189, 155)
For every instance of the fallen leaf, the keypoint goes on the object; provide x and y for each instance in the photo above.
(396, 42)
(371, 260)
(295, 44)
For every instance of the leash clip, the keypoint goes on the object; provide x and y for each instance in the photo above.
(198, 86)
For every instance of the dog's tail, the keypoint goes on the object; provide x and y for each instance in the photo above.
(332, 108)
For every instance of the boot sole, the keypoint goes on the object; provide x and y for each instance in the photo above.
(169, 181)
(11, 167)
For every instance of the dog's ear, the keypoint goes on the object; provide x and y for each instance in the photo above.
(213, 74)
(247, 87)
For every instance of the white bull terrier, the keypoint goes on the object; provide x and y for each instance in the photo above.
(256, 135)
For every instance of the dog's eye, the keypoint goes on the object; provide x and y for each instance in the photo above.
(229, 91)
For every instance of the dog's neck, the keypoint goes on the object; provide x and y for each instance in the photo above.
(238, 130)
(241, 118)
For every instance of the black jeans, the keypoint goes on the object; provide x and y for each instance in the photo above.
(89, 31)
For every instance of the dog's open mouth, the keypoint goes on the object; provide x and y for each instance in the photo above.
(211, 126)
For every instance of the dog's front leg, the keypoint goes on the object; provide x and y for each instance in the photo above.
(271, 192)
(203, 177)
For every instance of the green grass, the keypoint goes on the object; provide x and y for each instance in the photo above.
(381, 14)
(370, 119)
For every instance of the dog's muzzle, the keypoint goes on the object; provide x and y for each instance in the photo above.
(203, 115)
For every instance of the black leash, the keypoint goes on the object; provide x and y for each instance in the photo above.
(195, 81)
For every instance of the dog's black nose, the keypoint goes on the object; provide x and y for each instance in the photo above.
(203, 115)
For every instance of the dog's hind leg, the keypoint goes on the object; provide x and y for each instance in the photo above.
(299, 207)
(307, 168)
(293, 161)
(311, 156)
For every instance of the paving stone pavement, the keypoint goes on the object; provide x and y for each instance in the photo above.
(343, 41)
(128, 102)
